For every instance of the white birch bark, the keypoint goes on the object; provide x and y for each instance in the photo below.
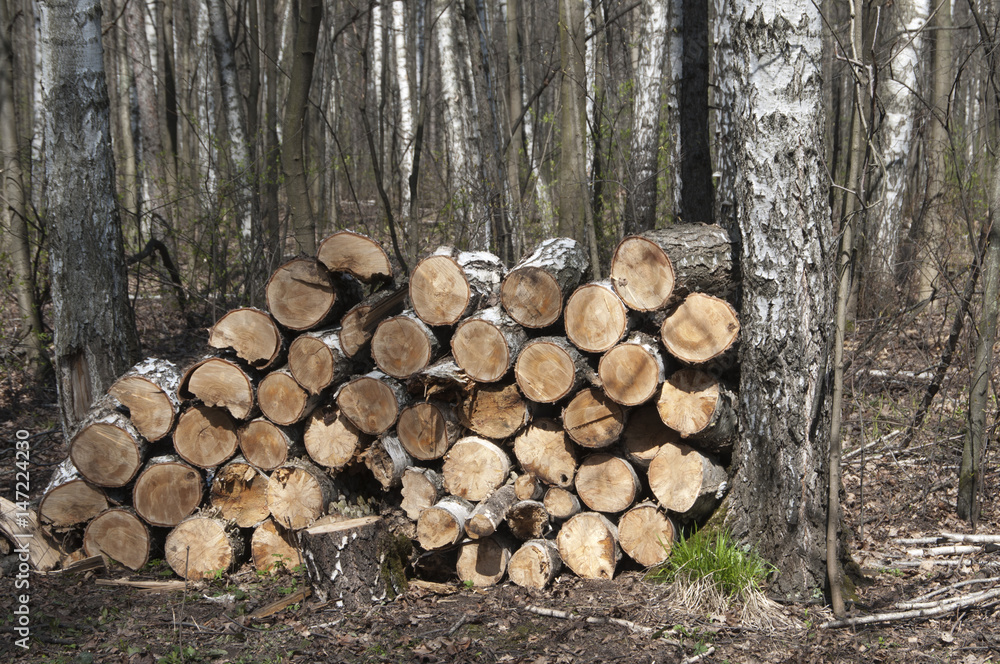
(406, 111)
(673, 72)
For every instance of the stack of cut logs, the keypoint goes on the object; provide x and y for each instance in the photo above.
(525, 419)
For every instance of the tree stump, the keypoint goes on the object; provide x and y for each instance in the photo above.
(588, 545)
(687, 482)
(358, 255)
(283, 400)
(201, 546)
(252, 334)
(702, 328)
(544, 450)
(317, 360)
(632, 371)
(596, 318)
(221, 383)
(593, 420)
(646, 534)
(149, 391)
(475, 467)
(486, 344)
(606, 483)
(267, 445)
(535, 564)
(119, 534)
(482, 563)
(449, 285)
(404, 345)
(534, 291)
(428, 429)
(698, 406)
(239, 493)
(273, 547)
(167, 491)
(206, 437)
(550, 368)
(331, 439)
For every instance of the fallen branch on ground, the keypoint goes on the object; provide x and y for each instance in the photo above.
(592, 620)
(945, 607)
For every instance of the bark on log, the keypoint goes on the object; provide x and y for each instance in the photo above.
(646, 534)
(167, 491)
(428, 429)
(283, 400)
(486, 344)
(358, 255)
(422, 488)
(535, 564)
(221, 383)
(644, 435)
(404, 345)
(302, 294)
(358, 325)
(442, 380)
(550, 368)
(527, 486)
(372, 402)
(702, 328)
(448, 285)
(483, 563)
(607, 483)
(298, 493)
(387, 460)
(528, 519)
(698, 406)
(491, 512)
(544, 450)
(647, 269)
(443, 524)
(206, 437)
(331, 439)
(496, 410)
(632, 371)
(119, 534)
(687, 482)
(592, 419)
(273, 547)
(239, 493)
(535, 289)
(252, 334)
(107, 449)
(200, 546)
(267, 445)
(149, 391)
(596, 318)
(561, 503)
(317, 360)
(69, 499)
(588, 545)
(475, 467)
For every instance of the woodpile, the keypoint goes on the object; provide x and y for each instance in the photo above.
(528, 420)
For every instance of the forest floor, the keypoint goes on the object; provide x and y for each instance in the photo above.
(890, 493)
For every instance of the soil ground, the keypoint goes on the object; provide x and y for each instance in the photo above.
(890, 492)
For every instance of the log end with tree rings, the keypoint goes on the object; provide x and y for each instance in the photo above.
(301, 294)
(421, 488)
(283, 400)
(494, 410)
(592, 419)
(427, 429)
(316, 360)
(403, 345)
(686, 482)
(535, 564)
(167, 491)
(545, 371)
(631, 373)
(370, 404)
(532, 297)
(596, 318)
(120, 535)
(108, 451)
(358, 255)
(483, 563)
(545, 451)
(646, 534)
(486, 344)
(644, 435)
(353, 334)
(205, 437)
(239, 492)
(250, 333)
(642, 274)
(298, 493)
(606, 483)
(443, 524)
(219, 382)
(202, 546)
(702, 328)
(149, 391)
(331, 440)
(265, 444)
(70, 503)
(588, 545)
(696, 405)
(561, 503)
(272, 547)
(475, 467)
(439, 290)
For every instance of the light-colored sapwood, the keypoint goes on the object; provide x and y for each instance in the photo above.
(167, 491)
(428, 429)
(592, 419)
(700, 407)
(535, 564)
(298, 493)
(702, 328)
(607, 483)
(646, 534)
(475, 467)
(239, 493)
(588, 545)
(686, 481)
(120, 535)
(550, 368)
(486, 344)
(218, 382)
(201, 546)
(421, 488)
(107, 449)
(250, 333)
(267, 445)
(632, 371)
(331, 439)
(356, 254)
(404, 345)
(494, 410)
(206, 436)
(534, 291)
(273, 547)
(545, 452)
(149, 391)
(482, 563)
(443, 524)
(596, 318)
(317, 360)
(283, 400)
(372, 402)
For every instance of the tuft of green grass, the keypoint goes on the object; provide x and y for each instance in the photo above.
(714, 557)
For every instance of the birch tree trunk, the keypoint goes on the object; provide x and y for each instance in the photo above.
(95, 335)
(406, 110)
(723, 101)
(780, 460)
(574, 196)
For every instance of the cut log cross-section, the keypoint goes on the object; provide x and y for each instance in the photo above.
(632, 371)
(550, 368)
(646, 534)
(535, 289)
(421, 488)
(528, 519)
(474, 467)
(428, 429)
(149, 391)
(494, 410)
(202, 546)
(372, 402)
(167, 491)
(404, 345)
(118, 534)
(283, 400)
(483, 563)
(107, 449)
(592, 419)
(317, 360)
(528, 487)
(544, 450)
(69, 499)
(219, 382)
(267, 445)
(596, 318)
(331, 439)
(644, 435)
(356, 254)
(606, 483)
(206, 437)
(486, 344)
(588, 545)
(302, 295)
(298, 493)
(449, 285)
(701, 329)
(535, 564)
(443, 524)
(698, 406)
(687, 482)
(252, 334)
(239, 492)
(360, 322)
(561, 503)
(273, 547)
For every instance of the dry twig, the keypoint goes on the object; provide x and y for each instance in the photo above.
(944, 607)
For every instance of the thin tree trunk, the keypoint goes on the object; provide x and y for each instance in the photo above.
(723, 101)
(573, 194)
(696, 159)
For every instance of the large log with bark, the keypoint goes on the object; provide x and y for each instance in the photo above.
(632, 371)
(283, 400)
(687, 482)
(357, 255)
(107, 449)
(646, 534)
(372, 402)
(331, 439)
(202, 545)
(535, 289)
(443, 524)
(701, 329)
(491, 512)
(404, 345)
(218, 382)
(250, 333)
(206, 437)
(302, 294)
(545, 451)
(550, 368)
(428, 429)
(698, 406)
(475, 467)
(596, 318)
(317, 360)
(69, 499)
(535, 564)
(486, 344)
(592, 419)
(239, 493)
(167, 491)
(482, 563)
(588, 545)
(149, 391)
(267, 445)
(120, 535)
(607, 483)
(449, 285)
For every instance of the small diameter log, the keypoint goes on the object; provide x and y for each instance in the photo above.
(404, 345)
(205, 437)
(149, 391)
(596, 318)
(252, 334)
(535, 564)
(561, 503)
(687, 482)
(358, 255)
(167, 491)
(302, 295)
(606, 483)
(550, 368)
(298, 493)
(201, 546)
(267, 445)
(331, 439)
(702, 328)
(353, 564)
(491, 512)
(443, 524)
(283, 400)
(475, 467)
(644, 435)
(486, 344)
(317, 360)
(698, 406)
(239, 493)
(646, 534)
(273, 547)
(495, 410)
(372, 402)
(449, 285)
(428, 429)
(69, 499)
(118, 534)
(694, 257)
(528, 519)
(387, 460)
(221, 383)
(533, 292)
(527, 486)
(588, 545)
(632, 371)
(107, 449)
(422, 488)
(592, 419)
(545, 451)
(482, 563)
(359, 323)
